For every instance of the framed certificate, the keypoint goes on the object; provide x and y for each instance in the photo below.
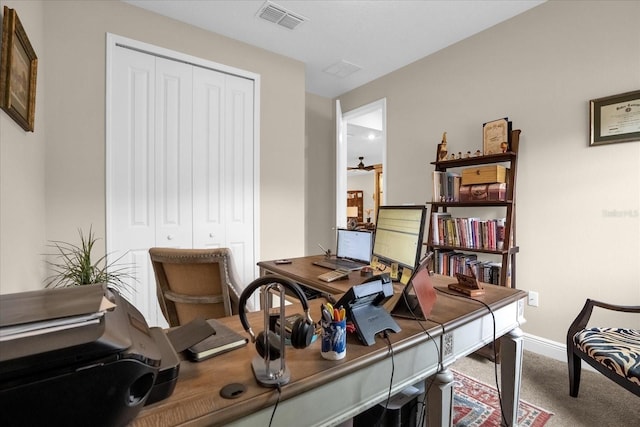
(615, 118)
(496, 136)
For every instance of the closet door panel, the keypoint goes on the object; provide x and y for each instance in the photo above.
(173, 153)
(209, 167)
(130, 168)
(239, 209)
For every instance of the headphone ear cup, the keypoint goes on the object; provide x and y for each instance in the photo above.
(273, 345)
(301, 333)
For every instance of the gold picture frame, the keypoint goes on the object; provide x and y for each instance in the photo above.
(615, 119)
(18, 72)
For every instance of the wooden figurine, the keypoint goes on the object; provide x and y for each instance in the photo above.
(442, 149)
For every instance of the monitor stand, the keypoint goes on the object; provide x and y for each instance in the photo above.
(370, 319)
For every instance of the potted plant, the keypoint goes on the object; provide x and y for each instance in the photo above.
(73, 265)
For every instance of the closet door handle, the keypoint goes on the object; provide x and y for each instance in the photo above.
(169, 237)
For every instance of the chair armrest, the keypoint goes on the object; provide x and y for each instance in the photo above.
(580, 322)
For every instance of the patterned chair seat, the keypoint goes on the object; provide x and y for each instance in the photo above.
(615, 348)
(614, 352)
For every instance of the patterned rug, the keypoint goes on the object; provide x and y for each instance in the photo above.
(476, 404)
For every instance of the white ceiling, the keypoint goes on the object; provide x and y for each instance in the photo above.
(379, 36)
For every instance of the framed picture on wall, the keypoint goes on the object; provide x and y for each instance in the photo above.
(18, 71)
(615, 118)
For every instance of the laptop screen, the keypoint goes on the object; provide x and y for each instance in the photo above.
(354, 244)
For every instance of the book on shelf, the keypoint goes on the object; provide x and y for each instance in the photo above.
(449, 262)
(446, 186)
(223, 340)
(471, 233)
(437, 225)
(500, 223)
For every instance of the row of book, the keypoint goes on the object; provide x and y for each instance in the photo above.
(451, 262)
(472, 233)
(446, 186)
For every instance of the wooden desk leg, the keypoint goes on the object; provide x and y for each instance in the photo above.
(511, 374)
(440, 399)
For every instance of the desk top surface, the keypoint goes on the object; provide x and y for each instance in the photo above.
(303, 270)
(196, 399)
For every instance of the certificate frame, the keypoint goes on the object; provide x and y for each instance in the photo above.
(614, 119)
(18, 72)
(496, 136)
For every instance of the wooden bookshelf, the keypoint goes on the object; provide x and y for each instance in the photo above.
(507, 253)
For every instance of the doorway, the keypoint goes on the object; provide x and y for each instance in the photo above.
(361, 148)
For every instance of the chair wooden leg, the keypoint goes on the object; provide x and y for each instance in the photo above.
(575, 365)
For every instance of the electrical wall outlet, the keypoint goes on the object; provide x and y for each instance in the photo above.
(533, 299)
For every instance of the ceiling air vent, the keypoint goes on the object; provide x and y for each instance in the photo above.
(342, 69)
(279, 15)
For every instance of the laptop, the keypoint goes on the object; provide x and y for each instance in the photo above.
(353, 250)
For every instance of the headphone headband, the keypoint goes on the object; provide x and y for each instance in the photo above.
(266, 280)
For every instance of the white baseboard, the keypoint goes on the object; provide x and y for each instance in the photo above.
(548, 348)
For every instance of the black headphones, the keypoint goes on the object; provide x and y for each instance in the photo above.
(303, 328)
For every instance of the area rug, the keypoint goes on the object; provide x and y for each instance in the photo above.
(476, 404)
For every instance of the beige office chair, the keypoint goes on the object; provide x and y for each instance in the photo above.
(194, 283)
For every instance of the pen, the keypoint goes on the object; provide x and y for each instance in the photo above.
(326, 252)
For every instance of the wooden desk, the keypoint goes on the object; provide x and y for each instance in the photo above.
(302, 270)
(323, 392)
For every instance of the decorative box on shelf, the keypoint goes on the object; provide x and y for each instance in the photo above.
(496, 192)
(484, 175)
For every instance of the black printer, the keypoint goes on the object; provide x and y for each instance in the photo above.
(79, 356)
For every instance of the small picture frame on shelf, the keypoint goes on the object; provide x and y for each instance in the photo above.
(496, 136)
(615, 119)
(18, 71)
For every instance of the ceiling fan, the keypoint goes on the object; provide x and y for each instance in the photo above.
(361, 166)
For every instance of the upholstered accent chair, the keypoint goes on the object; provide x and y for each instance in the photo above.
(194, 283)
(612, 351)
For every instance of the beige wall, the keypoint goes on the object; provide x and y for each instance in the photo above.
(69, 192)
(320, 174)
(540, 69)
(22, 175)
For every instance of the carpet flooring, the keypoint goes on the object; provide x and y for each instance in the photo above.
(545, 383)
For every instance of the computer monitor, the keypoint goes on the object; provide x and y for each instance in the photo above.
(354, 245)
(399, 234)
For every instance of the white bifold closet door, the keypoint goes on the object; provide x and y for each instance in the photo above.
(180, 169)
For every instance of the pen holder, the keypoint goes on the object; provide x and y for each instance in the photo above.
(334, 339)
